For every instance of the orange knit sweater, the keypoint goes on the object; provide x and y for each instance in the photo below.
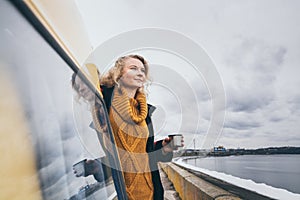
(131, 134)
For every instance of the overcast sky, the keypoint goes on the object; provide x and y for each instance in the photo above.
(254, 45)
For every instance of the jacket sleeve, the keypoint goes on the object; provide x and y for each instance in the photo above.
(160, 156)
(155, 148)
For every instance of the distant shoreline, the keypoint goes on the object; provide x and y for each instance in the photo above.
(221, 151)
(259, 151)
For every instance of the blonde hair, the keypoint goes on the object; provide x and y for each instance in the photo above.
(112, 77)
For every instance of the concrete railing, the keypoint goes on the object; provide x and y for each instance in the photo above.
(191, 187)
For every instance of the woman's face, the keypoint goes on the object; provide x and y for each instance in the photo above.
(83, 90)
(133, 74)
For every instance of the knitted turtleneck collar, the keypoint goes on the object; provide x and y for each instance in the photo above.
(126, 107)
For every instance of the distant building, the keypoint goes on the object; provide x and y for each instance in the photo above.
(218, 151)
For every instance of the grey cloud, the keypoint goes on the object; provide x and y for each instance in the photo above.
(201, 90)
(52, 173)
(276, 119)
(55, 164)
(67, 128)
(178, 100)
(277, 112)
(61, 188)
(245, 106)
(248, 101)
(50, 146)
(279, 55)
(287, 138)
(284, 137)
(255, 66)
(242, 125)
(295, 105)
(256, 54)
(236, 134)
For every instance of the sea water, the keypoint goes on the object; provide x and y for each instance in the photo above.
(280, 172)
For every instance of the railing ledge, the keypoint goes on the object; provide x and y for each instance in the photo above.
(191, 187)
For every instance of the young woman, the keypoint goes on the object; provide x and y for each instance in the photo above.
(130, 117)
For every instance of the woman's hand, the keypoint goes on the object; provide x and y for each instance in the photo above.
(168, 145)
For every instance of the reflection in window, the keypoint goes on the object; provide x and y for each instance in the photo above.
(42, 82)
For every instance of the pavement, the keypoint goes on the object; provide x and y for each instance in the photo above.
(170, 192)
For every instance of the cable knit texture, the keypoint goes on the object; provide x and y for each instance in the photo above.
(127, 117)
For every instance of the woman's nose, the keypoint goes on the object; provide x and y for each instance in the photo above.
(140, 73)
